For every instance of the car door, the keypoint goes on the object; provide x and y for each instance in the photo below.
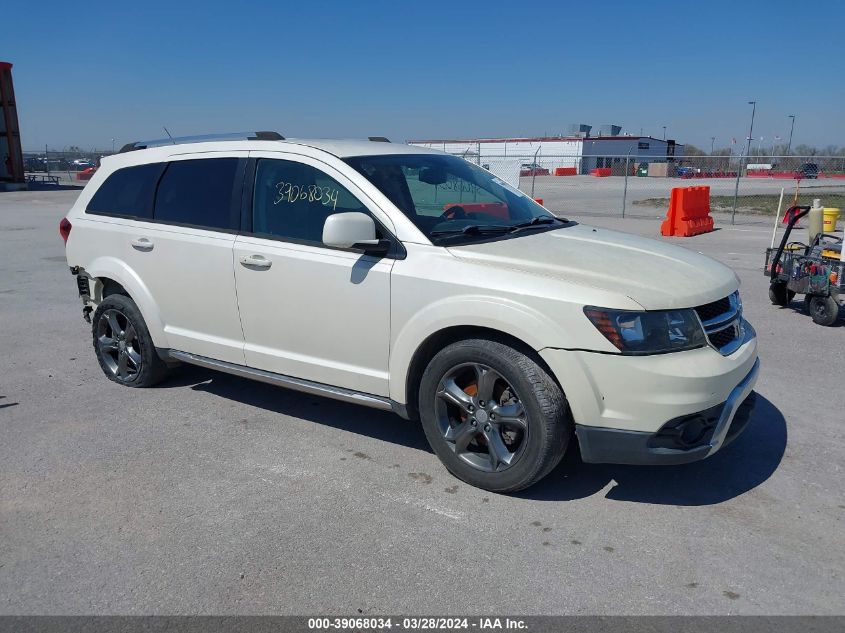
(183, 254)
(309, 311)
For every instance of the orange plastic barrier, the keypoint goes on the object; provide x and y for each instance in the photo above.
(689, 212)
(566, 171)
(601, 172)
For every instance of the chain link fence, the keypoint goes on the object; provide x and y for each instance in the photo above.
(742, 189)
(61, 167)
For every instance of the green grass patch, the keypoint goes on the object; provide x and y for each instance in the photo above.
(757, 204)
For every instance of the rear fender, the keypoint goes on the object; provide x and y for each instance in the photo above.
(117, 270)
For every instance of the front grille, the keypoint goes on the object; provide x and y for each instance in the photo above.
(722, 321)
(712, 310)
(722, 338)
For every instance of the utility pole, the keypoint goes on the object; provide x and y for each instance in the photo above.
(791, 129)
(751, 128)
(739, 162)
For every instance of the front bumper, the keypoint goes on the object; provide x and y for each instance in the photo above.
(614, 446)
(623, 405)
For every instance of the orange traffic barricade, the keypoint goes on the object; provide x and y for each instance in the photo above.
(689, 212)
(86, 174)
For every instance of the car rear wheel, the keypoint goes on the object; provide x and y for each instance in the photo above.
(123, 345)
(493, 415)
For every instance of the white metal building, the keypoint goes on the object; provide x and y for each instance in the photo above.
(585, 153)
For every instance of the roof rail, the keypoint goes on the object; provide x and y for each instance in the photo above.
(178, 140)
(378, 139)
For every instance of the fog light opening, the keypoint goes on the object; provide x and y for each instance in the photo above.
(692, 431)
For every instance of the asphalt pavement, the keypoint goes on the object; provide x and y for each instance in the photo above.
(213, 494)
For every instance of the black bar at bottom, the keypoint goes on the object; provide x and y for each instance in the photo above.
(391, 624)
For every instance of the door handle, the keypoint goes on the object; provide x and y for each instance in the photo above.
(255, 261)
(142, 244)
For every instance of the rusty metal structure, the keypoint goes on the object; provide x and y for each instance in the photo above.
(11, 156)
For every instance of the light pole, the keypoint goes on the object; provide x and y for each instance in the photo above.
(112, 146)
(739, 163)
(664, 132)
(751, 128)
(791, 129)
(712, 141)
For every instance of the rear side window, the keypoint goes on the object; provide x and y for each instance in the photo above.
(127, 192)
(199, 193)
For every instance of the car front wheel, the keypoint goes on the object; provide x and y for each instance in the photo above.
(493, 415)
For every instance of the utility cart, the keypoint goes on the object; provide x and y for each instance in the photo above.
(815, 270)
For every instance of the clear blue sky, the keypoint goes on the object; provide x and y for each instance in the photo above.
(87, 72)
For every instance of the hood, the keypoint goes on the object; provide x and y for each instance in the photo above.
(655, 274)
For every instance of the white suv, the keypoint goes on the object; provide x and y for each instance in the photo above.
(410, 280)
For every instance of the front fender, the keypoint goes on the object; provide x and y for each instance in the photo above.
(494, 313)
(117, 270)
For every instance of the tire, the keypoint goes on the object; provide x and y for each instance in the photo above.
(779, 294)
(824, 310)
(123, 345)
(508, 441)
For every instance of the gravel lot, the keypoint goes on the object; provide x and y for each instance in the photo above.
(212, 494)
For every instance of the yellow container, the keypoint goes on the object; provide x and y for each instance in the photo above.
(831, 215)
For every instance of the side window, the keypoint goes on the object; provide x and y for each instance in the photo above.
(128, 191)
(199, 193)
(292, 200)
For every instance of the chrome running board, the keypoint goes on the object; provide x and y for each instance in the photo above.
(280, 380)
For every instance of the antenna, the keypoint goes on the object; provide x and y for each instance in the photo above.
(169, 135)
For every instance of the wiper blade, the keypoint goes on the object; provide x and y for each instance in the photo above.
(537, 221)
(473, 229)
(494, 229)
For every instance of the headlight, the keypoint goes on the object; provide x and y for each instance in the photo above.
(648, 332)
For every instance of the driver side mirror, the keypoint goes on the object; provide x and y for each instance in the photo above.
(353, 230)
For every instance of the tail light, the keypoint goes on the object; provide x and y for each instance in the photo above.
(64, 229)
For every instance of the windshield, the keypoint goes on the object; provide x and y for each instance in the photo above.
(452, 200)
